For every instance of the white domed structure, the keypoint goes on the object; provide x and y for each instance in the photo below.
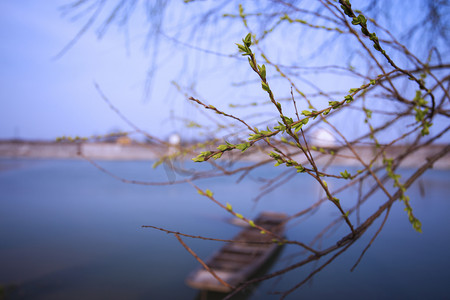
(323, 138)
(174, 139)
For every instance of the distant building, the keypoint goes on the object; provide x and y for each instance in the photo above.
(118, 137)
(123, 140)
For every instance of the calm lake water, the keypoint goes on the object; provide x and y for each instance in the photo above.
(69, 231)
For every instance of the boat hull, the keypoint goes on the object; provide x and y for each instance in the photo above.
(237, 261)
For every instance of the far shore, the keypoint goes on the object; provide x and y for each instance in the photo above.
(142, 151)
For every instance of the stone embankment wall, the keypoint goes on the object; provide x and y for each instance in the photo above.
(345, 157)
(103, 151)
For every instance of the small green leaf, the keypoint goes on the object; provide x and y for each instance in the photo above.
(157, 163)
(262, 71)
(373, 37)
(209, 193)
(298, 126)
(300, 169)
(365, 31)
(377, 47)
(417, 225)
(217, 155)
(241, 48)
(334, 104)
(281, 127)
(306, 112)
(251, 63)
(291, 163)
(251, 223)
(287, 120)
(355, 21)
(243, 146)
(274, 155)
(239, 216)
(229, 207)
(199, 158)
(345, 175)
(362, 18)
(265, 86)
(254, 137)
(222, 147)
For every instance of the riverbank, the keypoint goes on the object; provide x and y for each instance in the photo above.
(142, 151)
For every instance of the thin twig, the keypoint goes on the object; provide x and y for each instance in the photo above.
(203, 263)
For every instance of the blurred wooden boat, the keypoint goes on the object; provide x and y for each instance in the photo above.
(236, 262)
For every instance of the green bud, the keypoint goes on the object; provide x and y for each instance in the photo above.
(248, 40)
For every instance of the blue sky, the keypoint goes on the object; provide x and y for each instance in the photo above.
(43, 98)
